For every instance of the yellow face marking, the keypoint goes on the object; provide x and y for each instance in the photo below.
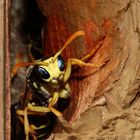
(52, 68)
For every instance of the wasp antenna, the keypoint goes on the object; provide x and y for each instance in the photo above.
(40, 63)
(25, 64)
(21, 64)
(72, 37)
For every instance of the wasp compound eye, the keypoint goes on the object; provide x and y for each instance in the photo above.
(60, 63)
(43, 73)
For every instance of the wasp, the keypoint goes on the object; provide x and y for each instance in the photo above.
(47, 90)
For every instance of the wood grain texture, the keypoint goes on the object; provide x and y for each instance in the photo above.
(67, 17)
(7, 75)
(1, 71)
(105, 101)
(4, 72)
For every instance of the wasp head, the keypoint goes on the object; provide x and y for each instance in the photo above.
(51, 70)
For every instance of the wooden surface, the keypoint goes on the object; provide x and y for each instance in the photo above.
(4, 72)
(7, 72)
(114, 88)
(1, 71)
(106, 104)
(67, 17)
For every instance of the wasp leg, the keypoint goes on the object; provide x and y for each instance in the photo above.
(54, 99)
(31, 131)
(81, 62)
(38, 110)
(42, 109)
(73, 61)
(32, 128)
(65, 92)
(35, 110)
(53, 102)
(38, 128)
(26, 125)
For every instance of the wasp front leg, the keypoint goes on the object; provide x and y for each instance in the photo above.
(23, 117)
(34, 110)
(65, 91)
(37, 110)
(73, 61)
(26, 124)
